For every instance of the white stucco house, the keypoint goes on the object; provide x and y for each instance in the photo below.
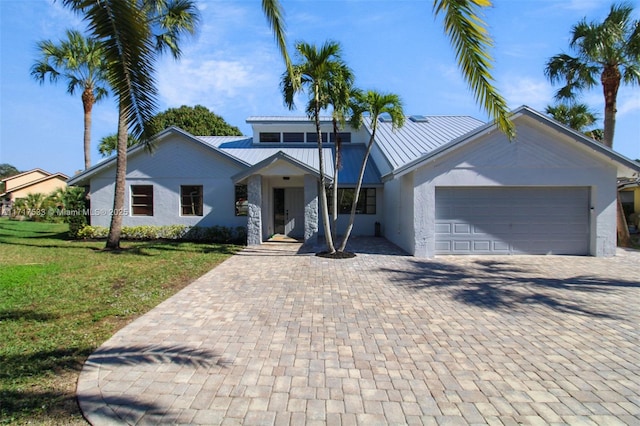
(439, 185)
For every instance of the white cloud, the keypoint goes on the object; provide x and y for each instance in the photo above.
(219, 81)
(628, 105)
(529, 91)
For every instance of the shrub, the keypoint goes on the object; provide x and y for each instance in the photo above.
(214, 234)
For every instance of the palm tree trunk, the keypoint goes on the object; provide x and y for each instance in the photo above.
(323, 189)
(336, 167)
(610, 79)
(88, 99)
(115, 228)
(356, 196)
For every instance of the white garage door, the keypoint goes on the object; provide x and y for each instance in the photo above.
(512, 220)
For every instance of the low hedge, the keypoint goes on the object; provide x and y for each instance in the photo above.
(213, 234)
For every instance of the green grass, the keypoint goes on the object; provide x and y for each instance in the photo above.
(61, 299)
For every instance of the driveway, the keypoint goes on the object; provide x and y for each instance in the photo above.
(276, 336)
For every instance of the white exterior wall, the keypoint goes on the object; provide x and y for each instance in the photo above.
(398, 212)
(174, 162)
(539, 157)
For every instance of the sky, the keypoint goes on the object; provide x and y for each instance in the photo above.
(232, 66)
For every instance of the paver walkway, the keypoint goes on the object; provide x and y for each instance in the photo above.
(275, 337)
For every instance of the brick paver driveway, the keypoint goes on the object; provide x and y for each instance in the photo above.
(275, 337)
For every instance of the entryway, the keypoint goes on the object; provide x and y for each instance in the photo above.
(288, 212)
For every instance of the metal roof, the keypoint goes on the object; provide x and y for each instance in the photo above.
(352, 156)
(266, 119)
(417, 138)
(242, 148)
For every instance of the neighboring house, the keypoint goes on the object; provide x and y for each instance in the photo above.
(630, 197)
(439, 185)
(36, 181)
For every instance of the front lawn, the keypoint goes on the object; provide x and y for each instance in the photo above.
(60, 299)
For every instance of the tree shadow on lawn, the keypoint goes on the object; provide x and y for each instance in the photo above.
(61, 405)
(502, 285)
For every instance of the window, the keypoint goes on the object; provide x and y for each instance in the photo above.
(345, 137)
(366, 201)
(313, 137)
(191, 200)
(241, 203)
(142, 200)
(267, 137)
(293, 137)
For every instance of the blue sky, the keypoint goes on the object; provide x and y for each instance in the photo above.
(232, 67)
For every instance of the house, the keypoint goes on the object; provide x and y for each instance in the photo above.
(630, 198)
(36, 181)
(439, 185)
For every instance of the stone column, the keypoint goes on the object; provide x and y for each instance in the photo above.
(254, 213)
(310, 209)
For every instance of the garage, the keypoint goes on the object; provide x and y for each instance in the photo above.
(512, 220)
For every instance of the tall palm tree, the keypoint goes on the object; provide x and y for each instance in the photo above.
(373, 104)
(78, 60)
(133, 33)
(471, 41)
(341, 99)
(322, 73)
(577, 116)
(607, 52)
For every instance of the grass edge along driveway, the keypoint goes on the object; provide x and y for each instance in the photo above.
(61, 299)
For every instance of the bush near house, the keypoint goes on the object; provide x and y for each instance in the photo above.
(213, 234)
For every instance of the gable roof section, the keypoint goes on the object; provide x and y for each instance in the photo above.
(417, 138)
(279, 155)
(50, 176)
(307, 155)
(82, 178)
(625, 165)
(44, 172)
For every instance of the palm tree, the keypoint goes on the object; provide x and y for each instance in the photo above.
(606, 52)
(79, 61)
(322, 73)
(374, 104)
(577, 116)
(471, 41)
(341, 99)
(109, 144)
(133, 33)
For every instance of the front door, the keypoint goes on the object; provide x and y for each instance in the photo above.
(288, 211)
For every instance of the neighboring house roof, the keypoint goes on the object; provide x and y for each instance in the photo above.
(26, 185)
(625, 165)
(19, 175)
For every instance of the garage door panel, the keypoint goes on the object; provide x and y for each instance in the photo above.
(533, 220)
